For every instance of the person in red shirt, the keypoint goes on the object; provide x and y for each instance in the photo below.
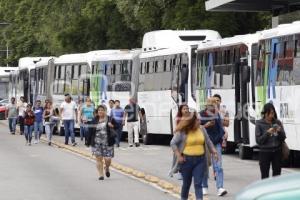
(28, 123)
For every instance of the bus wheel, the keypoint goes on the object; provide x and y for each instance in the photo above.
(245, 152)
(146, 139)
(230, 148)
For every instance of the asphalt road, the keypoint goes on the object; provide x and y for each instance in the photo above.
(41, 172)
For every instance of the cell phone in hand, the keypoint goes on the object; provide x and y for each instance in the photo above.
(275, 126)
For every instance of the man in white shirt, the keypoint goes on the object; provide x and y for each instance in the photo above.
(68, 110)
(22, 105)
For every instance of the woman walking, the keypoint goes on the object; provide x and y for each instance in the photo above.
(102, 140)
(48, 123)
(28, 123)
(270, 135)
(86, 116)
(188, 144)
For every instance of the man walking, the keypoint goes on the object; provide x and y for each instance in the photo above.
(11, 114)
(68, 110)
(132, 113)
(212, 122)
(22, 105)
(117, 114)
(38, 122)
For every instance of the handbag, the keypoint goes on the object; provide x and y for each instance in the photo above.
(285, 151)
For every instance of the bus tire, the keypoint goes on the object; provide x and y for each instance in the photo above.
(146, 139)
(230, 148)
(245, 152)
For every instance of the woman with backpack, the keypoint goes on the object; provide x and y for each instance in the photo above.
(102, 139)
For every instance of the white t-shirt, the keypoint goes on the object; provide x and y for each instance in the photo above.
(22, 108)
(68, 112)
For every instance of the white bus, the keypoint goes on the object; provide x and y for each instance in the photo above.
(276, 69)
(4, 81)
(220, 67)
(249, 71)
(165, 77)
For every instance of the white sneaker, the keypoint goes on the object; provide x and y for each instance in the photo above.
(35, 142)
(205, 191)
(222, 192)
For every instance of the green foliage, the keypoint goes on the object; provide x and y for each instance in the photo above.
(55, 27)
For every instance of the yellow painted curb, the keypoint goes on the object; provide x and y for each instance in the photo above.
(165, 185)
(151, 179)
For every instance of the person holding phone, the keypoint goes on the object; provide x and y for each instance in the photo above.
(270, 135)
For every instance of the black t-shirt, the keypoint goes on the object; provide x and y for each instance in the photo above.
(132, 111)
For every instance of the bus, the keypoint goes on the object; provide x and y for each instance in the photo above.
(166, 64)
(222, 69)
(4, 81)
(249, 71)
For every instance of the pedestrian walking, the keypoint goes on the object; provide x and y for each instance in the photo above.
(48, 113)
(183, 114)
(111, 105)
(11, 113)
(132, 113)
(68, 110)
(117, 113)
(212, 122)
(81, 128)
(188, 144)
(270, 136)
(21, 110)
(102, 140)
(143, 123)
(38, 122)
(86, 116)
(224, 114)
(29, 119)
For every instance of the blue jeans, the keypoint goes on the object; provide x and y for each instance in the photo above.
(49, 130)
(119, 131)
(28, 129)
(69, 130)
(12, 124)
(38, 130)
(218, 169)
(193, 166)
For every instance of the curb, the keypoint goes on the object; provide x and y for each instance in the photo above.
(161, 184)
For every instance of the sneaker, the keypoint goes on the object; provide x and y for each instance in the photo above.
(29, 144)
(221, 192)
(74, 144)
(137, 144)
(35, 142)
(49, 143)
(101, 178)
(130, 145)
(205, 191)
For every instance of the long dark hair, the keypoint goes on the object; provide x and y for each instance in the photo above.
(96, 111)
(192, 123)
(268, 107)
(179, 114)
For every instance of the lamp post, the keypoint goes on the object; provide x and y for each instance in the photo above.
(4, 36)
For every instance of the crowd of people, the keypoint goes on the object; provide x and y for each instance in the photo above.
(197, 142)
(200, 137)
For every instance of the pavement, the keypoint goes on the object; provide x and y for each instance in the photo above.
(151, 164)
(41, 172)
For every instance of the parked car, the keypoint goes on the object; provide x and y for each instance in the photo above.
(285, 187)
(2, 112)
(4, 102)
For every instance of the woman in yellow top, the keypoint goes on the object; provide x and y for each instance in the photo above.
(189, 146)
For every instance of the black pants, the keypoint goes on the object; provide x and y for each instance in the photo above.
(265, 160)
(21, 122)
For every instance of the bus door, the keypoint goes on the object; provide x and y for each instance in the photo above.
(241, 122)
(32, 86)
(26, 85)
